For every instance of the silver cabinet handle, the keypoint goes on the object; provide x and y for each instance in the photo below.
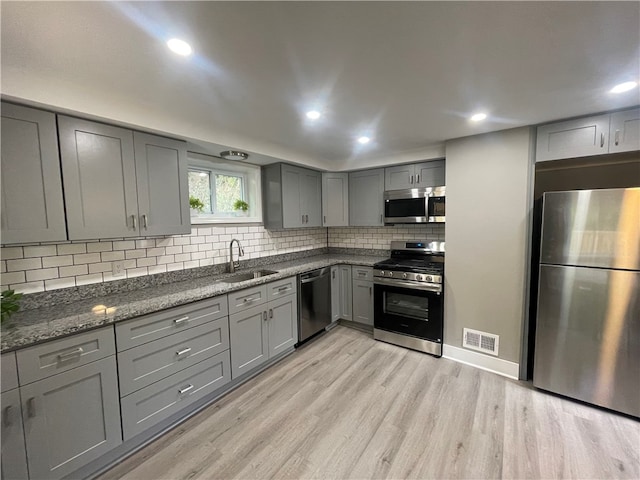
(617, 137)
(602, 140)
(264, 315)
(180, 320)
(418, 178)
(62, 357)
(302, 219)
(144, 221)
(333, 274)
(271, 313)
(325, 219)
(283, 289)
(248, 300)
(6, 416)
(370, 291)
(307, 219)
(380, 218)
(134, 220)
(361, 273)
(184, 351)
(411, 181)
(184, 390)
(31, 407)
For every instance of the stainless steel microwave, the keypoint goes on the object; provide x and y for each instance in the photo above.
(415, 205)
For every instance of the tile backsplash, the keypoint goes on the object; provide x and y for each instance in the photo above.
(381, 237)
(43, 267)
(51, 266)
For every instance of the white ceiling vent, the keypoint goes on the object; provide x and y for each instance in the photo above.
(481, 341)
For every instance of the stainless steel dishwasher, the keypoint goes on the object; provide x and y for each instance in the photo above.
(314, 302)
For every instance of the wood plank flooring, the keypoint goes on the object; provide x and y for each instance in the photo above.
(346, 406)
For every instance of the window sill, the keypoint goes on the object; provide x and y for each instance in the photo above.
(209, 219)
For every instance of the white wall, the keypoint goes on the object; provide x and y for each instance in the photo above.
(487, 178)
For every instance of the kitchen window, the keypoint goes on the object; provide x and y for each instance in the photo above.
(228, 191)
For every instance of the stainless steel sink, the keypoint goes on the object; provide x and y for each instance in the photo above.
(243, 277)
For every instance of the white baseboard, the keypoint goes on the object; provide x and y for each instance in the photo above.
(481, 361)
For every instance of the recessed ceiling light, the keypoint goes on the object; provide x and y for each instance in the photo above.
(364, 139)
(624, 87)
(179, 46)
(478, 117)
(313, 115)
(234, 155)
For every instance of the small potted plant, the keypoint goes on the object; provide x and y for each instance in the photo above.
(241, 206)
(10, 303)
(196, 205)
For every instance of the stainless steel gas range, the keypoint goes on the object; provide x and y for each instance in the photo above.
(408, 296)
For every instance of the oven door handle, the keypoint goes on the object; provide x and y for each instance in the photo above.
(428, 287)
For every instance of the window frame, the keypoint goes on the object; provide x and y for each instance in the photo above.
(250, 185)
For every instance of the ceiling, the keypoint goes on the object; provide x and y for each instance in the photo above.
(407, 73)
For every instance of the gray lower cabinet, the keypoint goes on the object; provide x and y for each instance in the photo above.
(148, 363)
(116, 185)
(248, 331)
(71, 418)
(158, 401)
(282, 325)
(346, 293)
(32, 205)
(362, 294)
(13, 463)
(335, 293)
(366, 198)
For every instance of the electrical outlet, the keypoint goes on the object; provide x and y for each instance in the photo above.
(117, 268)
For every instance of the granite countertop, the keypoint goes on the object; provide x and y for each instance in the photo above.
(38, 325)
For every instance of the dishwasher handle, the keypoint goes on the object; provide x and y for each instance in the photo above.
(315, 275)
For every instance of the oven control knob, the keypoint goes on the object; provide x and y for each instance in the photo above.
(404, 275)
(429, 278)
(391, 274)
(382, 273)
(418, 277)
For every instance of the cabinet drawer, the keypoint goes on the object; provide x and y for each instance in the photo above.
(362, 273)
(247, 298)
(281, 288)
(58, 356)
(148, 363)
(154, 403)
(9, 372)
(152, 327)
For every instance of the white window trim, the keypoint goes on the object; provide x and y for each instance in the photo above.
(251, 184)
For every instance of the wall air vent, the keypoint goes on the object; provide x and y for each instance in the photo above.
(481, 341)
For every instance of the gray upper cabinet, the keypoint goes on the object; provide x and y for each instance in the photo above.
(366, 198)
(292, 196)
(71, 418)
(335, 199)
(32, 204)
(595, 135)
(14, 456)
(163, 189)
(418, 175)
(624, 131)
(98, 167)
(117, 187)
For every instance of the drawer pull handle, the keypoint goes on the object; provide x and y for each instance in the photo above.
(6, 416)
(362, 274)
(69, 355)
(183, 351)
(283, 289)
(180, 320)
(186, 389)
(248, 300)
(31, 407)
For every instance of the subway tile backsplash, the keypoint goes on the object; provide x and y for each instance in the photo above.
(37, 268)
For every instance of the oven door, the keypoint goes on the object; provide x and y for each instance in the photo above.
(408, 311)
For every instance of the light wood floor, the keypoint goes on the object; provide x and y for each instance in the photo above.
(346, 406)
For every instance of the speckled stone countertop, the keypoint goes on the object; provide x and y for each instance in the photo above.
(30, 327)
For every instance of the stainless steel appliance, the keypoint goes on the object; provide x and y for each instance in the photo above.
(408, 297)
(588, 320)
(314, 302)
(415, 205)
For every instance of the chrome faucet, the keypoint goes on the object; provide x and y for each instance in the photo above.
(233, 265)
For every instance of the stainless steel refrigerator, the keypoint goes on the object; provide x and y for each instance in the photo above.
(588, 321)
